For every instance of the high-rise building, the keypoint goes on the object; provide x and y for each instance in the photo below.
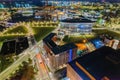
(59, 55)
(101, 64)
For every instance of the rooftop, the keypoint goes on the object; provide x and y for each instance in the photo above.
(63, 48)
(14, 46)
(77, 20)
(56, 48)
(99, 64)
(47, 40)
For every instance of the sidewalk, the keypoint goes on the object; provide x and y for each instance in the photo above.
(50, 68)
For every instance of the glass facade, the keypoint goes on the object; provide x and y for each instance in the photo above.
(82, 28)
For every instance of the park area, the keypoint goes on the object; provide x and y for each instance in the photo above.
(105, 31)
(39, 29)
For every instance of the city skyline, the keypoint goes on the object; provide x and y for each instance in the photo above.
(59, 40)
(66, 0)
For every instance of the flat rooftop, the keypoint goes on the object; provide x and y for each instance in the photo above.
(77, 20)
(14, 46)
(99, 64)
(63, 48)
(56, 49)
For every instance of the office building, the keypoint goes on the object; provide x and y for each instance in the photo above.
(58, 55)
(16, 46)
(101, 64)
(77, 25)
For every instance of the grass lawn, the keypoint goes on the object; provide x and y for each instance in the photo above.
(105, 31)
(78, 38)
(41, 32)
(6, 61)
(1, 44)
(19, 29)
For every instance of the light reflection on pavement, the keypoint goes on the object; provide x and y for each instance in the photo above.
(43, 71)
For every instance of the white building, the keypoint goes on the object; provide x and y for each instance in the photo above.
(83, 26)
